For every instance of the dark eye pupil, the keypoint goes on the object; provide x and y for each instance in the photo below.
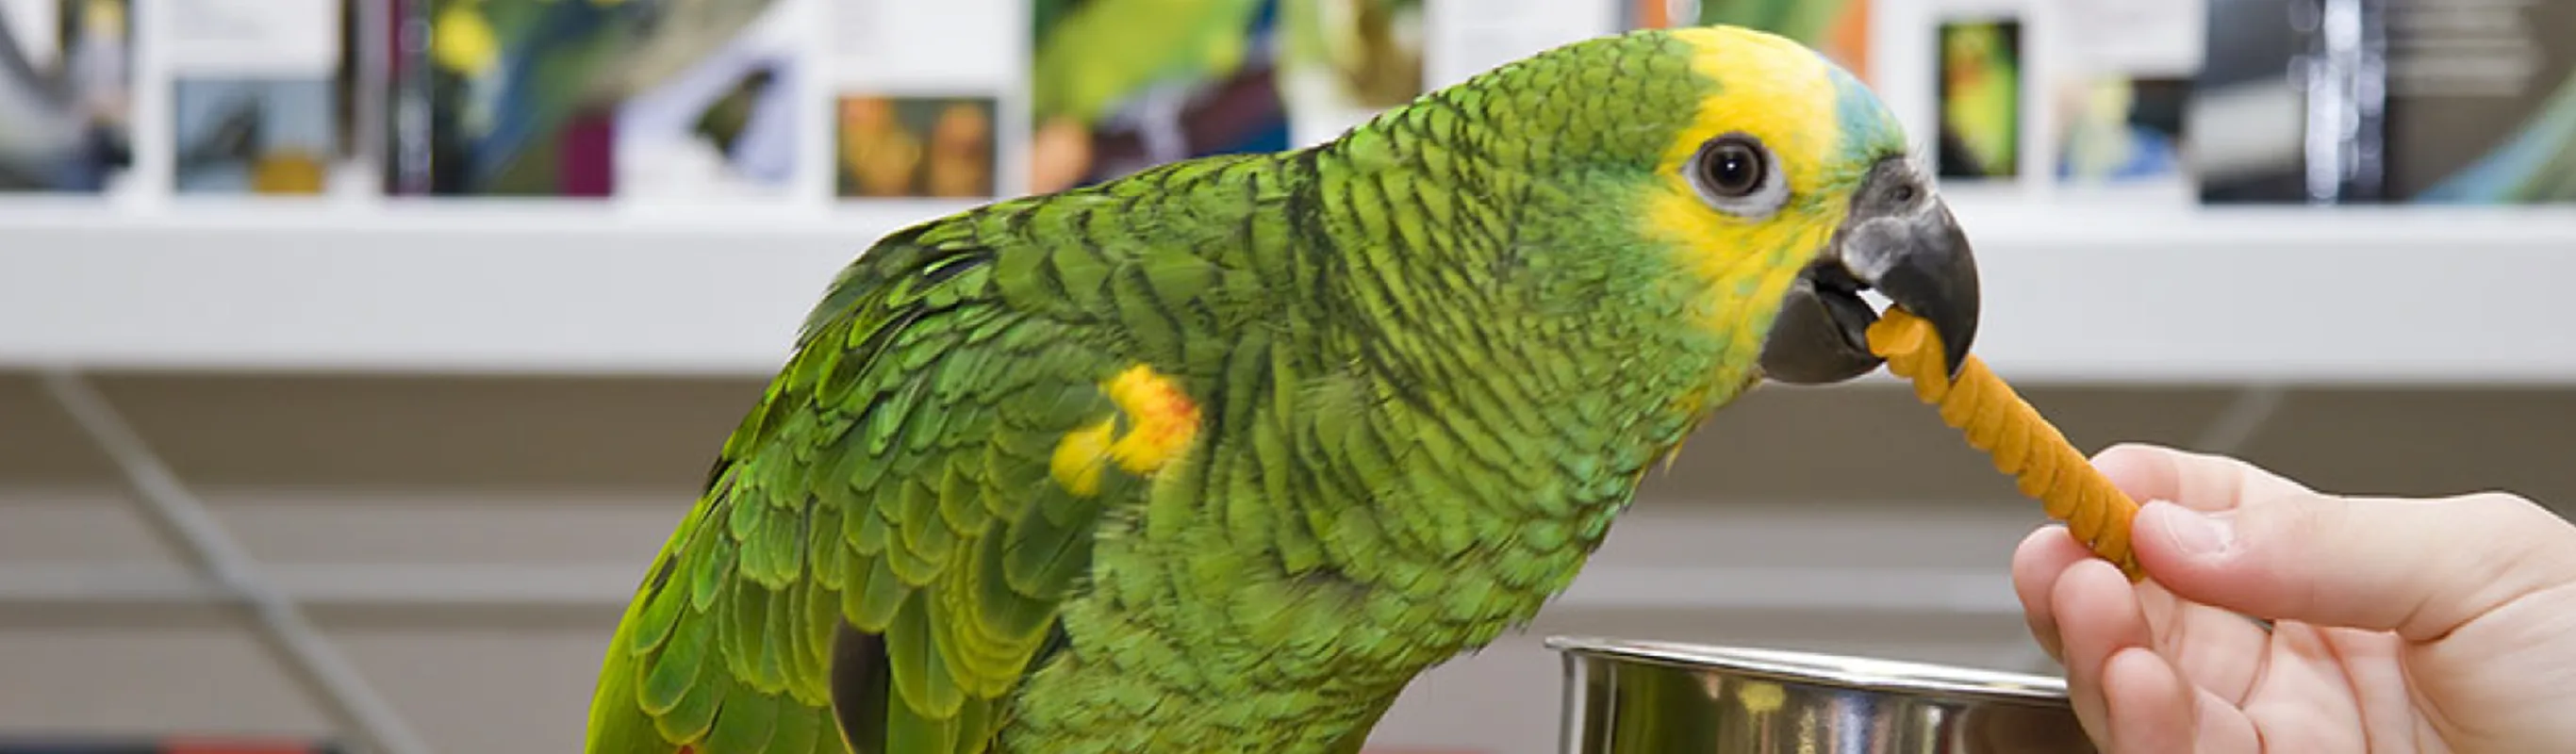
(1733, 168)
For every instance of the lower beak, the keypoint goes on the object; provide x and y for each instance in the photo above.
(1914, 254)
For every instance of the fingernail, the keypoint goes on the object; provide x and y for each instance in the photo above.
(2192, 532)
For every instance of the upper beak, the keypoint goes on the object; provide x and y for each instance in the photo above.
(1899, 240)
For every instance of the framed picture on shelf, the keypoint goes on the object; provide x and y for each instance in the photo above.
(72, 63)
(262, 98)
(888, 146)
(2114, 90)
(1978, 90)
(924, 102)
(524, 98)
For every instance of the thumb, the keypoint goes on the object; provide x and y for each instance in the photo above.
(2420, 568)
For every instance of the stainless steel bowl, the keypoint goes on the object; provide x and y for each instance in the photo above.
(1643, 697)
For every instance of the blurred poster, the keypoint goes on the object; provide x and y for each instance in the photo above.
(1345, 61)
(2481, 101)
(2119, 128)
(1979, 89)
(590, 98)
(1117, 86)
(726, 124)
(1122, 85)
(1837, 28)
(2118, 92)
(259, 97)
(917, 105)
(66, 95)
(914, 146)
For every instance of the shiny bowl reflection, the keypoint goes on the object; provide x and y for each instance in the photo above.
(1645, 697)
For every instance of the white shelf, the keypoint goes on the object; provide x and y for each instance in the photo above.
(2074, 292)
(1956, 591)
(2342, 295)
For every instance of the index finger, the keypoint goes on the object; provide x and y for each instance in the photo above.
(2198, 481)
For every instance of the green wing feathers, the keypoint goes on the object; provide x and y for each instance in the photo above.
(894, 478)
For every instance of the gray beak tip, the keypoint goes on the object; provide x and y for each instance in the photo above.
(1907, 246)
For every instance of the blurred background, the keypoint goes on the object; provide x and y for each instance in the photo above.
(355, 355)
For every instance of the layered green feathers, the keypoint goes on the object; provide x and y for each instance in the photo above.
(1420, 410)
(896, 476)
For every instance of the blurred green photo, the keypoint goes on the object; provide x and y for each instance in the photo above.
(1980, 94)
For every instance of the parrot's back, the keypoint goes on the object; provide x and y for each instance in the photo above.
(916, 519)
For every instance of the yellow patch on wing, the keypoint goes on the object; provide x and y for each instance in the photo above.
(1783, 94)
(1076, 463)
(1162, 419)
(1159, 421)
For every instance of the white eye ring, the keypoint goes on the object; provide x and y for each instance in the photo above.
(1737, 175)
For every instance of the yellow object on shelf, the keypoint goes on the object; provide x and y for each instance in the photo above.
(2021, 442)
(289, 172)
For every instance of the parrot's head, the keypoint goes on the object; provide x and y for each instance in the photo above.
(1751, 189)
(1789, 189)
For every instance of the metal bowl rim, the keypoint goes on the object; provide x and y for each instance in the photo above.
(1824, 669)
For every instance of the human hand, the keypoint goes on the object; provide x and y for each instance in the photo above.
(2399, 625)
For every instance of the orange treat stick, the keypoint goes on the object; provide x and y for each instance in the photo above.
(2022, 443)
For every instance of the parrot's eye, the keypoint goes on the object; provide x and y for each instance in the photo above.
(1733, 173)
(1733, 167)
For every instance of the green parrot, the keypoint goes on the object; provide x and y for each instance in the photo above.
(1218, 456)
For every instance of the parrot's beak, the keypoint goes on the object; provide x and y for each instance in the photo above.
(1899, 240)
